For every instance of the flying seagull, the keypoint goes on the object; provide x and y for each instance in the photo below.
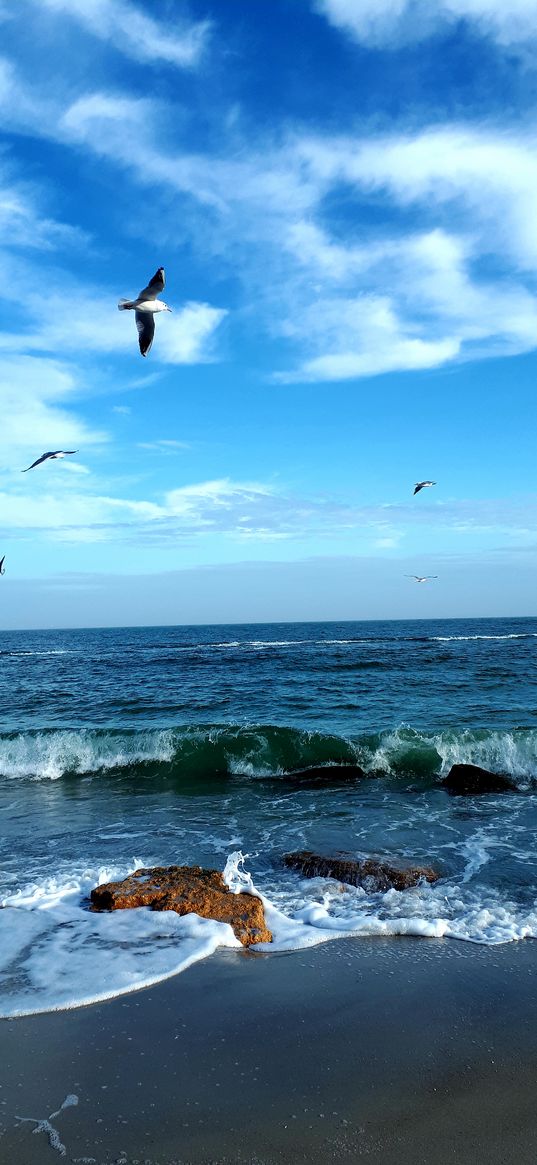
(422, 485)
(421, 577)
(2, 567)
(51, 456)
(144, 306)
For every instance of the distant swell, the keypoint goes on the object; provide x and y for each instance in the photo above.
(211, 751)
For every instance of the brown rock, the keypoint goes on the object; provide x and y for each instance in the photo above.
(367, 872)
(187, 890)
(473, 779)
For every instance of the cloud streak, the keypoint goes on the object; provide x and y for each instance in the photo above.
(460, 286)
(393, 23)
(133, 32)
(237, 512)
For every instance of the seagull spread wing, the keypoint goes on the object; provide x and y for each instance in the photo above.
(38, 462)
(154, 287)
(2, 560)
(145, 322)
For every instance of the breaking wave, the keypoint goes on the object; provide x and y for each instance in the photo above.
(194, 752)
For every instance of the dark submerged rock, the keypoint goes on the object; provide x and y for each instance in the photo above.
(473, 779)
(366, 872)
(187, 890)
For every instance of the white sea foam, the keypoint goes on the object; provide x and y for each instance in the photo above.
(258, 750)
(56, 954)
(57, 651)
(462, 638)
(49, 755)
(43, 1124)
(504, 751)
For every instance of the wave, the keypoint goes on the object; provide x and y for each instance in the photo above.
(204, 752)
(56, 651)
(464, 638)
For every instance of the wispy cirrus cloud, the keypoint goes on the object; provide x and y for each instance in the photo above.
(133, 31)
(77, 319)
(460, 285)
(36, 403)
(165, 446)
(395, 301)
(392, 23)
(225, 510)
(24, 224)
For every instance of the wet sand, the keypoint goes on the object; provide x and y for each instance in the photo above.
(420, 1052)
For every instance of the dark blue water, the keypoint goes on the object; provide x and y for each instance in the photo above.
(156, 745)
(344, 677)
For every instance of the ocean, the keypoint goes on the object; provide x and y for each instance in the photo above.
(175, 745)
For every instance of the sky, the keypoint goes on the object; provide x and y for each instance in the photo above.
(343, 194)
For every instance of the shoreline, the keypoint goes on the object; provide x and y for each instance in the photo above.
(415, 1051)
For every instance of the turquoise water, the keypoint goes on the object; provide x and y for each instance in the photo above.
(156, 745)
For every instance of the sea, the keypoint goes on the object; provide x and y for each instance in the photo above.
(130, 747)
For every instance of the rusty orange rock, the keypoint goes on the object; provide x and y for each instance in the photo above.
(187, 890)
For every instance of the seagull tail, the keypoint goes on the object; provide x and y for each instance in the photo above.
(125, 304)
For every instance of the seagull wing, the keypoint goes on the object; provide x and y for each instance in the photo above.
(39, 461)
(2, 560)
(154, 287)
(418, 486)
(145, 322)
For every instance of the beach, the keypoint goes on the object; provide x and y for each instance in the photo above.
(392, 1049)
(395, 1024)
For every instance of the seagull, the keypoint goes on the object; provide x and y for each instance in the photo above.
(144, 306)
(422, 485)
(2, 567)
(51, 456)
(421, 577)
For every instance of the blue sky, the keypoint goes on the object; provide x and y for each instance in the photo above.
(343, 194)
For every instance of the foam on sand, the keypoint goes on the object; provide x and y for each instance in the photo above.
(56, 954)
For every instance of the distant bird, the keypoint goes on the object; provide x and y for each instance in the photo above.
(422, 485)
(144, 306)
(421, 577)
(51, 456)
(2, 567)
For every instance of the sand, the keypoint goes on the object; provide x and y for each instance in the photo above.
(399, 1051)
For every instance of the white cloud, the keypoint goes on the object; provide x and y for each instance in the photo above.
(489, 175)
(349, 308)
(238, 512)
(187, 336)
(364, 337)
(134, 32)
(390, 23)
(34, 393)
(437, 306)
(205, 498)
(80, 319)
(164, 446)
(22, 224)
